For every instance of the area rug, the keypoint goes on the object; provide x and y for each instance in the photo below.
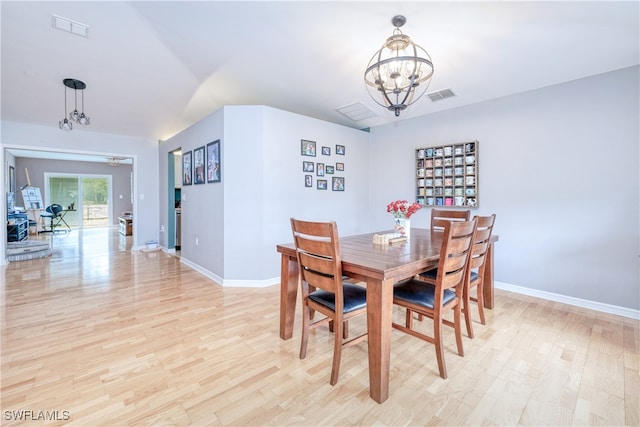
(27, 249)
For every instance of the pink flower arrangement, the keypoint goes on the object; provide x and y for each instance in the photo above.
(403, 209)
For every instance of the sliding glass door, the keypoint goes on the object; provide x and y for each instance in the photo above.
(87, 198)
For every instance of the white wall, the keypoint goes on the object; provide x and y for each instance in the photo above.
(559, 166)
(144, 153)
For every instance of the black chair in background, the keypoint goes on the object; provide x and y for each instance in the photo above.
(54, 214)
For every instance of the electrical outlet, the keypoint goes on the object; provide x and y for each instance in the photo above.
(197, 241)
(162, 228)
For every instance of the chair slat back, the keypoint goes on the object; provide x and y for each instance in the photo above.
(437, 215)
(481, 240)
(455, 253)
(318, 252)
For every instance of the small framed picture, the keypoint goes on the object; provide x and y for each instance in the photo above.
(307, 167)
(328, 170)
(339, 166)
(322, 184)
(340, 150)
(308, 181)
(186, 168)
(326, 151)
(213, 162)
(198, 166)
(320, 169)
(337, 183)
(308, 148)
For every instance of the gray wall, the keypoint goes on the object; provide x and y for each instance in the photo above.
(559, 167)
(120, 178)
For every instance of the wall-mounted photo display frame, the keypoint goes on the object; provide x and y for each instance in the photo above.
(198, 166)
(326, 151)
(340, 167)
(322, 184)
(308, 167)
(186, 168)
(340, 149)
(329, 170)
(308, 148)
(448, 175)
(214, 165)
(320, 169)
(337, 183)
(308, 181)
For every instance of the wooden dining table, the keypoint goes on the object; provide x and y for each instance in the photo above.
(380, 266)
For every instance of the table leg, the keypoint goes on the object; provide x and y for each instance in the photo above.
(288, 295)
(487, 281)
(379, 313)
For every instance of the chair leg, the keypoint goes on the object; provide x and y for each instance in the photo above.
(458, 328)
(345, 329)
(408, 322)
(306, 318)
(337, 352)
(437, 335)
(481, 303)
(467, 315)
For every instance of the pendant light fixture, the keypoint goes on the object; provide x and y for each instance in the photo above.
(400, 72)
(65, 124)
(75, 116)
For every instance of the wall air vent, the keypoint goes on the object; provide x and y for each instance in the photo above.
(441, 94)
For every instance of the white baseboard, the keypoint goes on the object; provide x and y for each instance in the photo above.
(578, 302)
(243, 283)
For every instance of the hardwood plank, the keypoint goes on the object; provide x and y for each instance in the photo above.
(129, 338)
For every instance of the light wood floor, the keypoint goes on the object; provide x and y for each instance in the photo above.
(108, 337)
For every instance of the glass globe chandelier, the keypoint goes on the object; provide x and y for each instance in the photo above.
(400, 72)
(75, 116)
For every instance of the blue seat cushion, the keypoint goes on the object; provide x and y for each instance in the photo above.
(431, 274)
(474, 276)
(355, 297)
(420, 293)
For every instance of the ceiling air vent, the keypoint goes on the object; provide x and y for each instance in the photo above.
(441, 94)
(356, 111)
(70, 26)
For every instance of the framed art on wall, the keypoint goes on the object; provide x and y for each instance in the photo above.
(337, 183)
(198, 166)
(308, 148)
(307, 167)
(213, 162)
(186, 168)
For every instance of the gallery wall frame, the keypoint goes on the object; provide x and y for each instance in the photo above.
(214, 164)
(199, 166)
(186, 168)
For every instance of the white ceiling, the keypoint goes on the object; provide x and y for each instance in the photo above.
(153, 68)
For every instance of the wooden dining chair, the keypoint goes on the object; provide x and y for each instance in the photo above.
(434, 299)
(477, 265)
(450, 215)
(323, 290)
(475, 275)
(437, 216)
